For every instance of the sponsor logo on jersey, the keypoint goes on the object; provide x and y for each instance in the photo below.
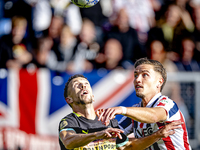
(103, 144)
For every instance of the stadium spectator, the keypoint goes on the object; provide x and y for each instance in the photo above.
(86, 48)
(196, 33)
(41, 52)
(187, 61)
(19, 8)
(66, 50)
(81, 129)
(70, 12)
(55, 27)
(121, 30)
(54, 32)
(95, 14)
(183, 4)
(171, 89)
(174, 25)
(158, 8)
(73, 19)
(140, 13)
(111, 56)
(155, 109)
(41, 16)
(15, 48)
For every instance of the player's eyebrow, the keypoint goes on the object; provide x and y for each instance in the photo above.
(76, 80)
(142, 71)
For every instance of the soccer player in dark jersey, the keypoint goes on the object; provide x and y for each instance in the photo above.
(81, 130)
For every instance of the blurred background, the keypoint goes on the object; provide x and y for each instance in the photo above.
(44, 42)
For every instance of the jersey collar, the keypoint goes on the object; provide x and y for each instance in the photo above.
(77, 114)
(153, 99)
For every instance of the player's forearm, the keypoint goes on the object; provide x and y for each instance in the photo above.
(141, 143)
(145, 142)
(78, 140)
(146, 115)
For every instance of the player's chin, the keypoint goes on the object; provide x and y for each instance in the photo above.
(86, 100)
(139, 94)
(85, 97)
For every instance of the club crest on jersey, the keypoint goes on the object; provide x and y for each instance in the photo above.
(63, 124)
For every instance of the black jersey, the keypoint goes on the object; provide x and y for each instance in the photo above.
(83, 125)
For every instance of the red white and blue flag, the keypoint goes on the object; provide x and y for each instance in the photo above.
(32, 103)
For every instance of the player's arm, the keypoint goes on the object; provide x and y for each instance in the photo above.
(141, 114)
(145, 142)
(146, 115)
(71, 139)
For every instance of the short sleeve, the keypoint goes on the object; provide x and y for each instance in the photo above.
(67, 123)
(169, 105)
(126, 124)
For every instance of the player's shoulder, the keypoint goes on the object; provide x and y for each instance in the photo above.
(165, 100)
(68, 120)
(70, 117)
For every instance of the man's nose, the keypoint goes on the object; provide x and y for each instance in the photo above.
(82, 86)
(137, 79)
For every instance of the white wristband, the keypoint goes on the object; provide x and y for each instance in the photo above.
(123, 110)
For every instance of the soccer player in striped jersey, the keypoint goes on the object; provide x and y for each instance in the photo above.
(153, 112)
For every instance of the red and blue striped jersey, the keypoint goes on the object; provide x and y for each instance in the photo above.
(177, 141)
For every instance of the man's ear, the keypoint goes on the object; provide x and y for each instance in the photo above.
(160, 82)
(69, 100)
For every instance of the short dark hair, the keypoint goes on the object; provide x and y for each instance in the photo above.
(158, 67)
(69, 80)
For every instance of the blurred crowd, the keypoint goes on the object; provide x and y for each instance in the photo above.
(58, 35)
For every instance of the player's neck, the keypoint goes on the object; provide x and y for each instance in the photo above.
(148, 98)
(87, 112)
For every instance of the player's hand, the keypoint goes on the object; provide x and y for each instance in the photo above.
(169, 129)
(110, 133)
(105, 115)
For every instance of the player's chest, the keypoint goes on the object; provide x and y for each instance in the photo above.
(144, 129)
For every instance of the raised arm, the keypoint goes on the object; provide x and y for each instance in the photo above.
(145, 115)
(71, 139)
